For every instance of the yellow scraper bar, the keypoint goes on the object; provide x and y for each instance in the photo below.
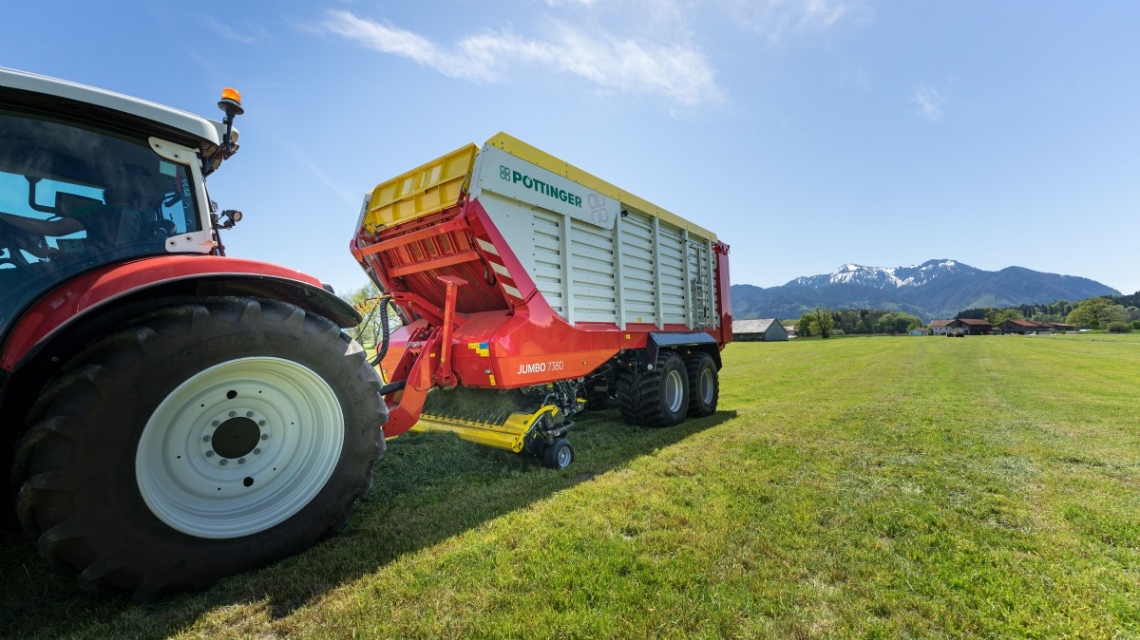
(509, 435)
(424, 190)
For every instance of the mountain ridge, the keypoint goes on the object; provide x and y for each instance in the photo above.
(934, 289)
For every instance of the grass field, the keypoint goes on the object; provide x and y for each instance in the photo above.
(870, 487)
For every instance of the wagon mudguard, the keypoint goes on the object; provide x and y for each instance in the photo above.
(697, 341)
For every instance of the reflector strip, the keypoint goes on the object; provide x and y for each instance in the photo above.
(513, 291)
(487, 246)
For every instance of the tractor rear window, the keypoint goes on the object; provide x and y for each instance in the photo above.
(73, 198)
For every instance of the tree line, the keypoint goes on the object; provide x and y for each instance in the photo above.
(1118, 314)
(1115, 313)
(824, 322)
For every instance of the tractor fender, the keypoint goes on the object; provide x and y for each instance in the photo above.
(68, 307)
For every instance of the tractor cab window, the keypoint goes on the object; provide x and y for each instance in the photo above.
(73, 198)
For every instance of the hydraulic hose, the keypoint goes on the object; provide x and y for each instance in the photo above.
(383, 350)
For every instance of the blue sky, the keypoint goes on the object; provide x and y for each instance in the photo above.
(805, 133)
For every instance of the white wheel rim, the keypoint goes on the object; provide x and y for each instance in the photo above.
(239, 447)
(674, 390)
(564, 457)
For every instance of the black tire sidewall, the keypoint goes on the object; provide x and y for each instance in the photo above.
(550, 456)
(668, 362)
(697, 364)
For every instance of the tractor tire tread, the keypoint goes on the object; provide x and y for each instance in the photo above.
(53, 462)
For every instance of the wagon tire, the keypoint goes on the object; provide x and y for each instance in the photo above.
(657, 397)
(704, 384)
(196, 442)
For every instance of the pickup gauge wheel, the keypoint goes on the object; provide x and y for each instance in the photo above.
(558, 455)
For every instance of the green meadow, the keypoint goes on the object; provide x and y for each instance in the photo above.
(857, 487)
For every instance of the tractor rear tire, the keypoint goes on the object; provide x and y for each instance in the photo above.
(199, 441)
(704, 384)
(658, 397)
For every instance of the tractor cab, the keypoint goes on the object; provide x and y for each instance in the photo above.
(89, 178)
(73, 198)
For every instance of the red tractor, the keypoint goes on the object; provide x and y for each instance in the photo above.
(168, 415)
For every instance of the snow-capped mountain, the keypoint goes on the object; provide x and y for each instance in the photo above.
(931, 290)
(885, 277)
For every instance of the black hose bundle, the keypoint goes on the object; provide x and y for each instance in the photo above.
(383, 350)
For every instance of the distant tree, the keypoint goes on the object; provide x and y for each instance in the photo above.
(366, 301)
(1131, 300)
(895, 322)
(1136, 325)
(998, 316)
(848, 322)
(1119, 327)
(971, 314)
(868, 321)
(1095, 313)
(904, 322)
(803, 327)
(823, 320)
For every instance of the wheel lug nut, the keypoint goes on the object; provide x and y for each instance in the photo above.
(261, 423)
(215, 423)
(265, 436)
(249, 414)
(233, 414)
(205, 438)
(223, 462)
(257, 452)
(241, 460)
(209, 454)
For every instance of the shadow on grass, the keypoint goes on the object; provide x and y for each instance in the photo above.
(429, 487)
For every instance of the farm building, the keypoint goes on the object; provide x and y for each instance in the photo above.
(940, 327)
(971, 327)
(1022, 326)
(918, 331)
(767, 330)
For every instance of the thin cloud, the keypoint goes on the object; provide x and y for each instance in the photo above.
(824, 13)
(777, 19)
(676, 71)
(253, 36)
(929, 103)
(349, 196)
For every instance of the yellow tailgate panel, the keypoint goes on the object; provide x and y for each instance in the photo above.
(424, 190)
